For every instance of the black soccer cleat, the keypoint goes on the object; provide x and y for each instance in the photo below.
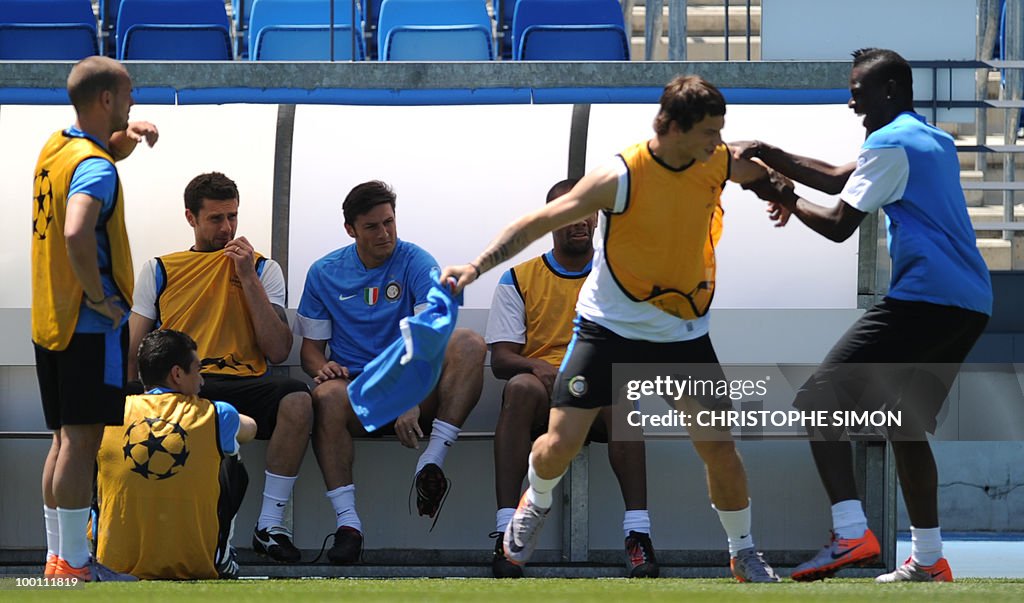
(640, 559)
(348, 546)
(501, 567)
(275, 542)
(431, 490)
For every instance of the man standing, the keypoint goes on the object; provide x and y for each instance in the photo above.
(646, 300)
(529, 328)
(354, 300)
(939, 300)
(81, 282)
(231, 300)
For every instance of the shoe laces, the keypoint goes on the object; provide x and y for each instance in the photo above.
(323, 547)
(754, 564)
(637, 547)
(431, 485)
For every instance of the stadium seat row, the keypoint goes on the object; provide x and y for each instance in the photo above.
(298, 30)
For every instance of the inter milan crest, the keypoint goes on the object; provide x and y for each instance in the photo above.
(157, 448)
(43, 204)
(371, 295)
(392, 291)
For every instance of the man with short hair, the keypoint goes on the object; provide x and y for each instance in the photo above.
(529, 328)
(354, 299)
(231, 300)
(82, 281)
(159, 486)
(646, 300)
(939, 300)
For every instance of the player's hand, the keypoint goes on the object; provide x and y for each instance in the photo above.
(139, 131)
(463, 275)
(407, 427)
(109, 306)
(243, 255)
(546, 373)
(746, 149)
(779, 214)
(331, 370)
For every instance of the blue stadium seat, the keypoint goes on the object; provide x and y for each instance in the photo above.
(435, 30)
(569, 30)
(191, 30)
(299, 30)
(41, 30)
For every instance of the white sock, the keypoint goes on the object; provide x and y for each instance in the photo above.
(848, 520)
(636, 521)
(925, 545)
(52, 531)
(343, 500)
(502, 517)
(442, 437)
(539, 492)
(737, 528)
(276, 492)
(74, 546)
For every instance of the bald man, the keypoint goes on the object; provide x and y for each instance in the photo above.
(82, 281)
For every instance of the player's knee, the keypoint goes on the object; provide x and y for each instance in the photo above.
(466, 347)
(522, 394)
(297, 407)
(718, 453)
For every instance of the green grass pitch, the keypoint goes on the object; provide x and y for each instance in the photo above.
(520, 591)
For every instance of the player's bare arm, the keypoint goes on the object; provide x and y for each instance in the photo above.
(123, 143)
(765, 182)
(138, 327)
(312, 355)
(80, 237)
(269, 322)
(594, 192)
(507, 361)
(817, 174)
(835, 223)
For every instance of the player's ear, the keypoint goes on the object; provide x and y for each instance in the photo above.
(192, 219)
(350, 230)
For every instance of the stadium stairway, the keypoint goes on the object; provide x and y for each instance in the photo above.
(705, 23)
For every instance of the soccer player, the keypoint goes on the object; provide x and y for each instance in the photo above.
(939, 300)
(231, 299)
(528, 329)
(158, 484)
(82, 279)
(353, 299)
(646, 300)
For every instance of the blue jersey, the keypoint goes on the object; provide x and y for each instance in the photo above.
(97, 178)
(910, 170)
(357, 310)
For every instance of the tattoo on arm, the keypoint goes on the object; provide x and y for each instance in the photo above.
(280, 313)
(503, 249)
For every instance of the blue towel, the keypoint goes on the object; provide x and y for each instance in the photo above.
(408, 369)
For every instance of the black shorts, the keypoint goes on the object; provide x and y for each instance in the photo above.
(585, 378)
(84, 384)
(899, 356)
(256, 397)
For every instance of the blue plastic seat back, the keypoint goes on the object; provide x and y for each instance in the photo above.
(432, 30)
(438, 43)
(47, 30)
(173, 30)
(176, 42)
(307, 43)
(574, 43)
(563, 12)
(268, 13)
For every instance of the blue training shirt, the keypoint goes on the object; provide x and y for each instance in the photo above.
(357, 310)
(910, 170)
(97, 178)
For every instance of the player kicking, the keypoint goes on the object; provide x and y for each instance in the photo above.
(646, 299)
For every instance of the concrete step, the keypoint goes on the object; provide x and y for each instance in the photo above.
(974, 198)
(998, 254)
(704, 20)
(703, 48)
